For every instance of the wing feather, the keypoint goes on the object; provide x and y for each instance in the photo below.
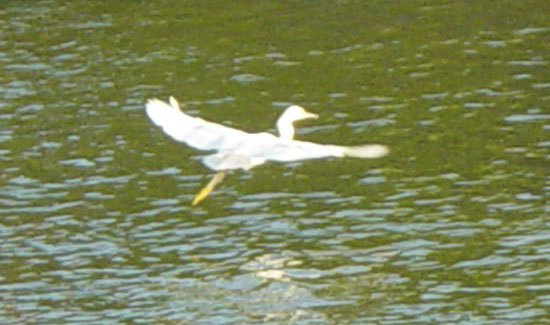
(193, 131)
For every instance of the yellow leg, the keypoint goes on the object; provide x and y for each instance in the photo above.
(208, 188)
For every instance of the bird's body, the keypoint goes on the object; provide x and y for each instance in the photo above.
(237, 149)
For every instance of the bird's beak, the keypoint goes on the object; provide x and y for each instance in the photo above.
(310, 115)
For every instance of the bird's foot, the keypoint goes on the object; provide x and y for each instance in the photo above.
(208, 188)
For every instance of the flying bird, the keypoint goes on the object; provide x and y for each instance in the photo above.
(236, 149)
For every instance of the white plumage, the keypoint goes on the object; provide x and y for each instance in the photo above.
(238, 149)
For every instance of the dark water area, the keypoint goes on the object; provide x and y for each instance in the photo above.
(96, 225)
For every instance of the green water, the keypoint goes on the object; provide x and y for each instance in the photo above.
(451, 227)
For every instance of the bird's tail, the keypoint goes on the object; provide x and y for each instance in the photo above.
(366, 151)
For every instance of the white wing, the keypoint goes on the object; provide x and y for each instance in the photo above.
(194, 131)
(290, 150)
(269, 147)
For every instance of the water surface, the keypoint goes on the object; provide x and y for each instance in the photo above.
(451, 227)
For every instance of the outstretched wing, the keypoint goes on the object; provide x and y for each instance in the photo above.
(289, 150)
(193, 131)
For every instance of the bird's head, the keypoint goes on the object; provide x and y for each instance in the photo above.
(295, 113)
(292, 114)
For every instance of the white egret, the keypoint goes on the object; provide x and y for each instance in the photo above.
(238, 149)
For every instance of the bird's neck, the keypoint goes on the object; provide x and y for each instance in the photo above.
(285, 128)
